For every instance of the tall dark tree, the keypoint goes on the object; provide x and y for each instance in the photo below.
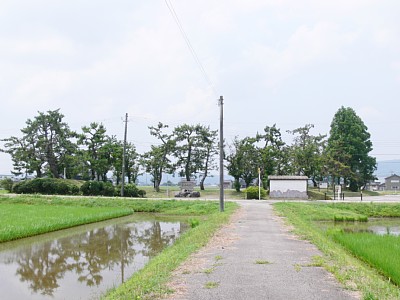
(349, 146)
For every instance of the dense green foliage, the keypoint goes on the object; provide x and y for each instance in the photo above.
(7, 184)
(46, 141)
(97, 188)
(348, 269)
(23, 220)
(252, 192)
(46, 186)
(306, 153)
(348, 149)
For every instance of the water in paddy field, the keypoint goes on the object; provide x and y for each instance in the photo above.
(378, 226)
(82, 262)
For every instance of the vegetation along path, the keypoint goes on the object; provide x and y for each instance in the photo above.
(256, 257)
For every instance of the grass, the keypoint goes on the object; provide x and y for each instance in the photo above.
(381, 252)
(170, 207)
(262, 262)
(23, 220)
(211, 285)
(347, 268)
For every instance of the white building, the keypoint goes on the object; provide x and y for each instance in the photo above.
(289, 187)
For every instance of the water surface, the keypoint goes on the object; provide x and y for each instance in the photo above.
(82, 262)
(380, 226)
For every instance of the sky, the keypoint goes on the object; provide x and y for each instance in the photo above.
(282, 62)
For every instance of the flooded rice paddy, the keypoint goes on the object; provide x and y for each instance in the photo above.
(379, 226)
(82, 262)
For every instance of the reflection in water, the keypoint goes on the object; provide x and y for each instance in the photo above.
(380, 226)
(82, 265)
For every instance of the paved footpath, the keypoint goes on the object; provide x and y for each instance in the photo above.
(228, 266)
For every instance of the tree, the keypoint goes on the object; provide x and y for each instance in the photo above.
(26, 158)
(243, 161)
(94, 138)
(46, 145)
(186, 150)
(132, 165)
(156, 161)
(207, 149)
(348, 146)
(274, 153)
(306, 152)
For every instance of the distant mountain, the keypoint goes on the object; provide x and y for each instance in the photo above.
(386, 168)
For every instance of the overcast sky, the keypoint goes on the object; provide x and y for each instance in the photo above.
(274, 61)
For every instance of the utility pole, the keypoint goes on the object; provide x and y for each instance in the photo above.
(221, 154)
(123, 157)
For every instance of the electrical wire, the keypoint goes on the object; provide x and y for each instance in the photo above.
(189, 44)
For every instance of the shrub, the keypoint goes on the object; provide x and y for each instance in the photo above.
(46, 186)
(7, 184)
(97, 188)
(142, 193)
(252, 192)
(130, 190)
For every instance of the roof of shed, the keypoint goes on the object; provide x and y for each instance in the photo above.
(275, 177)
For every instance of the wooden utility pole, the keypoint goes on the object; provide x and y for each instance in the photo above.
(123, 157)
(221, 155)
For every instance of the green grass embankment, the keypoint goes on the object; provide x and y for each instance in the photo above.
(24, 220)
(347, 268)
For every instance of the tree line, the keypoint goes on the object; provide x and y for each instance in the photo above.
(48, 147)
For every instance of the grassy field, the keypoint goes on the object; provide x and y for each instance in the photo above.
(344, 263)
(23, 220)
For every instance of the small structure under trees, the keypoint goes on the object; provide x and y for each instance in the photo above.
(288, 187)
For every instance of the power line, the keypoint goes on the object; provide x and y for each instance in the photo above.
(191, 49)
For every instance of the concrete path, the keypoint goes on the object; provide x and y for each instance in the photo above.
(228, 268)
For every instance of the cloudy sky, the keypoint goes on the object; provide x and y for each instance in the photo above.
(274, 61)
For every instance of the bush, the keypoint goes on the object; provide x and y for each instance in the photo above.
(130, 190)
(7, 184)
(252, 192)
(46, 186)
(142, 193)
(97, 188)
